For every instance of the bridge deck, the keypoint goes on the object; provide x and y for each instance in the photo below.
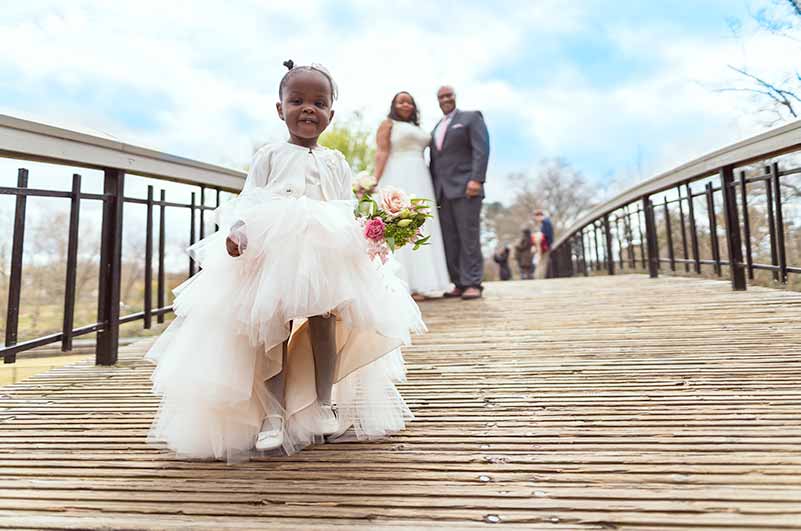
(598, 403)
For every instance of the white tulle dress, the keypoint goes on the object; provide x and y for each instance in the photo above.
(306, 256)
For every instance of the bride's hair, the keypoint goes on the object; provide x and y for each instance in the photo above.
(314, 67)
(393, 114)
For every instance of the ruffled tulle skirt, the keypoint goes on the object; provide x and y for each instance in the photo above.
(304, 258)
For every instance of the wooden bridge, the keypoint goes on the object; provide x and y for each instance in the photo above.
(594, 400)
(608, 402)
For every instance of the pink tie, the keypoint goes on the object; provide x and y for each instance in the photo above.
(443, 127)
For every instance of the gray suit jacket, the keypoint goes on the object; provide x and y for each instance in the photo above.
(464, 155)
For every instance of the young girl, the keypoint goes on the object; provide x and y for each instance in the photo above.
(290, 334)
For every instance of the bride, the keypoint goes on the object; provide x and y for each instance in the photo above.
(399, 162)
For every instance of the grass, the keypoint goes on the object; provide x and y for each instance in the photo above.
(25, 368)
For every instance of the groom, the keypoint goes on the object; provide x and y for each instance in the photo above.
(459, 156)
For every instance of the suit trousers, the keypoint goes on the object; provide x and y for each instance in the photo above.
(461, 232)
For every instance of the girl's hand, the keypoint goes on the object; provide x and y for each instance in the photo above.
(232, 247)
(237, 240)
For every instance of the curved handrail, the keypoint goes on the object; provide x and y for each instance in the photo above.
(27, 140)
(765, 145)
(24, 139)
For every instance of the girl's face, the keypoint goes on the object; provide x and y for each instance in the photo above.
(404, 106)
(306, 107)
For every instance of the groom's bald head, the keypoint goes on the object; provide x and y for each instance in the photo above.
(447, 99)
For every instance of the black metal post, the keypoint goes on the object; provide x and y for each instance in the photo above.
(192, 233)
(148, 320)
(15, 275)
(160, 284)
(713, 227)
(72, 265)
(610, 261)
(777, 196)
(619, 243)
(567, 259)
(640, 220)
(108, 303)
(650, 234)
(774, 252)
(555, 262)
(583, 255)
(669, 235)
(685, 252)
(202, 211)
(733, 237)
(749, 259)
(693, 229)
(596, 248)
(217, 227)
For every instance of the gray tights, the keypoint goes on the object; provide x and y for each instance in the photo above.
(324, 349)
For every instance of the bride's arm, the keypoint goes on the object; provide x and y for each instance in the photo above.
(382, 148)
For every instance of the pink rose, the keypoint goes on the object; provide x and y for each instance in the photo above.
(394, 201)
(374, 229)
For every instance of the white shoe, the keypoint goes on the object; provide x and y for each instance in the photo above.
(330, 422)
(272, 434)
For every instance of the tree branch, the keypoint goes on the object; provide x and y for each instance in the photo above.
(795, 5)
(778, 95)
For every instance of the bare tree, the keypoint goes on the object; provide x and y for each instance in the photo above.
(777, 100)
(557, 188)
(774, 99)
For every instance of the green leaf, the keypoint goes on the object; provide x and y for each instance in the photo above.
(391, 243)
(422, 241)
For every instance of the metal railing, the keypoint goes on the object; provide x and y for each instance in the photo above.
(625, 233)
(26, 140)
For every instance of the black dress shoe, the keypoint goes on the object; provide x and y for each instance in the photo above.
(471, 293)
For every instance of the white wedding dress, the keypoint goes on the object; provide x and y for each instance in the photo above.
(424, 270)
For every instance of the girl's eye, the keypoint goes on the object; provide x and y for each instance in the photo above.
(320, 104)
(295, 101)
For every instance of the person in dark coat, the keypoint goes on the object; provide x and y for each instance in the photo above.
(524, 255)
(501, 258)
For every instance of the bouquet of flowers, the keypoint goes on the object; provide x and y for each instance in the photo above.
(392, 220)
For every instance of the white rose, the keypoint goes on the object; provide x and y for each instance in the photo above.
(365, 180)
(394, 200)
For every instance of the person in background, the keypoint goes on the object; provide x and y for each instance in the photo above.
(524, 255)
(501, 258)
(546, 228)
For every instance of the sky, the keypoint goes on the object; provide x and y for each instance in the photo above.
(622, 89)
